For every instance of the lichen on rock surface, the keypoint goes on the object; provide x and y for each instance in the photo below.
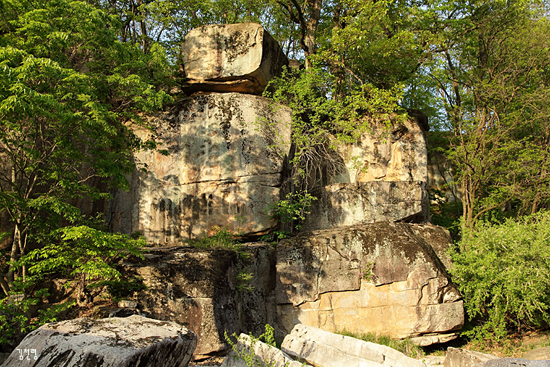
(321, 282)
(223, 169)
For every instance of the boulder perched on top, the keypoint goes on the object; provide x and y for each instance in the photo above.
(231, 58)
(116, 342)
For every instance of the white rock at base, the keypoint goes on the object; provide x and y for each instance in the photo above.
(113, 342)
(324, 349)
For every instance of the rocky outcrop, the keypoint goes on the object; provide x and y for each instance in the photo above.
(116, 342)
(457, 357)
(324, 349)
(380, 278)
(222, 161)
(221, 166)
(382, 177)
(231, 58)
(394, 153)
(208, 291)
(262, 354)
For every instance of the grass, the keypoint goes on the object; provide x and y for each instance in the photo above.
(404, 346)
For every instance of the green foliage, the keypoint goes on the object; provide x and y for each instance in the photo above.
(367, 272)
(74, 252)
(243, 279)
(247, 353)
(324, 116)
(503, 272)
(81, 252)
(489, 77)
(15, 315)
(122, 288)
(68, 89)
(446, 214)
(293, 208)
(221, 238)
(405, 346)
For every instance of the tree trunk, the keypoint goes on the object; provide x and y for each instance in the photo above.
(311, 29)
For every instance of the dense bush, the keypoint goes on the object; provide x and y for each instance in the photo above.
(503, 272)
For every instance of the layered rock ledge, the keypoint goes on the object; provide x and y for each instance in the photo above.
(384, 278)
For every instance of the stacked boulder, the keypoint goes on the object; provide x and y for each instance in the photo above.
(382, 278)
(221, 151)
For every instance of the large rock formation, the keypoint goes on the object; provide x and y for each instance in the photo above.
(382, 177)
(381, 278)
(207, 291)
(113, 342)
(222, 167)
(231, 58)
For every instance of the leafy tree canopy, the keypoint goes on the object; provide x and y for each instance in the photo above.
(68, 87)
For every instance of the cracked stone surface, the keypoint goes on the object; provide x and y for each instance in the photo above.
(382, 278)
(222, 166)
(113, 342)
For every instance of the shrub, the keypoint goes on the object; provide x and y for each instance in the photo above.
(503, 272)
(247, 354)
(222, 238)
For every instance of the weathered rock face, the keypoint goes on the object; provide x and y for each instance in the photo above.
(116, 342)
(325, 349)
(231, 58)
(380, 278)
(223, 168)
(542, 353)
(386, 154)
(383, 177)
(204, 290)
(349, 204)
